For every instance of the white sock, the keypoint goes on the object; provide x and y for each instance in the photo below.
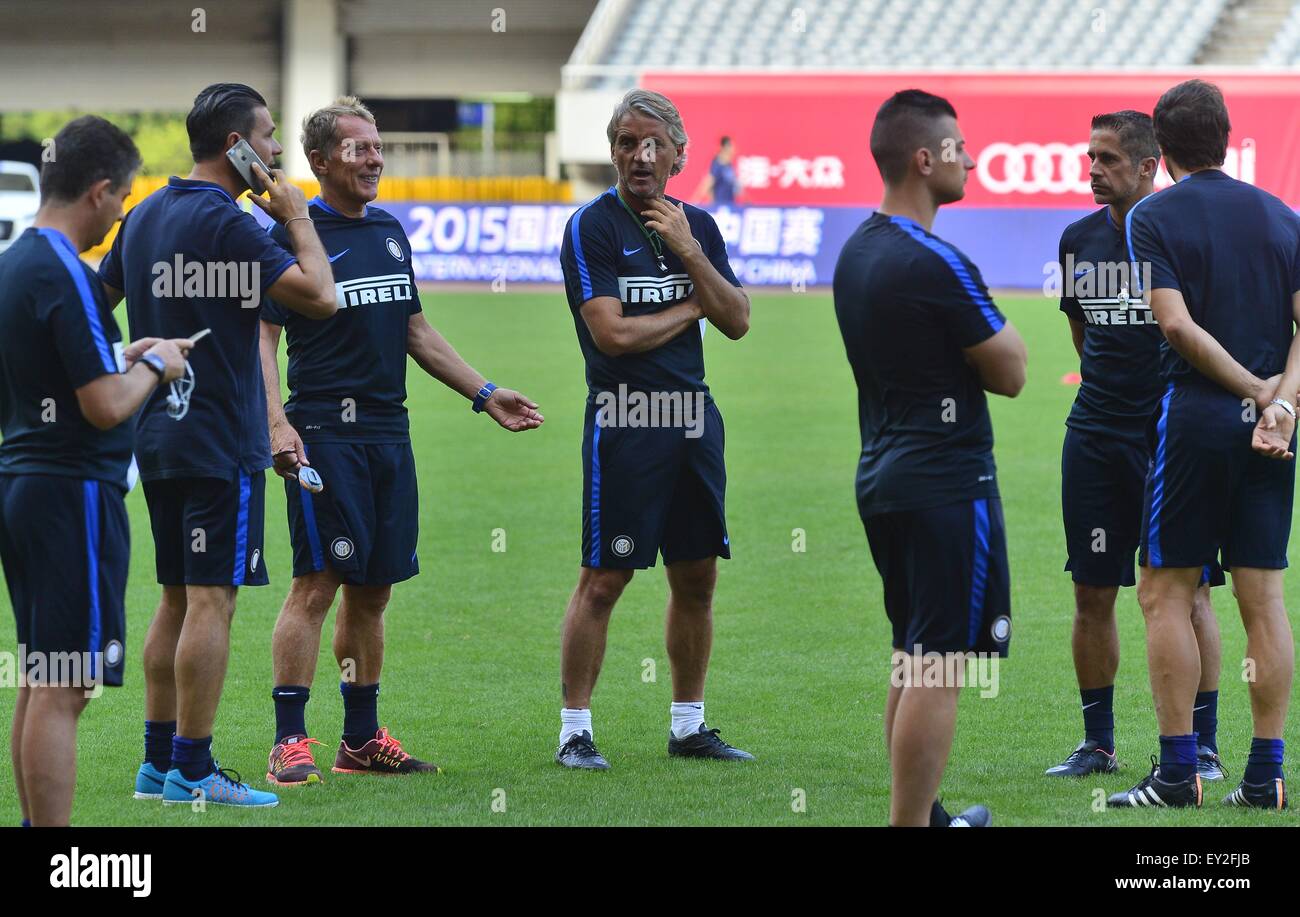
(573, 722)
(687, 718)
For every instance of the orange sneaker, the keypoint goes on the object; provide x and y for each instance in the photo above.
(291, 763)
(381, 755)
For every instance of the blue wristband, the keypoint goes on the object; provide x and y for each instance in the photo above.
(480, 400)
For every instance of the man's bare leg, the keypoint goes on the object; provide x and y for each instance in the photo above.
(16, 749)
(50, 734)
(582, 650)
(688, 625)
(201, 657)
(586, 622)
(1167, 595)
(920, 738)
(1269, 647)
(160, 655)
(295, 643)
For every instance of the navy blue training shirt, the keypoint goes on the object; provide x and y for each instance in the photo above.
(606, 253)
(347, 373)
(59, 334)
(1233, 251)
(1121, 340)
(908, 303)
(186, 257)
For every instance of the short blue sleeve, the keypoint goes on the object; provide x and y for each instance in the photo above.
(1148, 253)
(588, 258)
(244, 241)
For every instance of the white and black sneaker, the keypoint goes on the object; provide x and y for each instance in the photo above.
(1153, 793)
(1271, 795)
(580, 752)
(1088, 758)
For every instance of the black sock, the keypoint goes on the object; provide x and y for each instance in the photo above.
(290, 710)
(1265, 761)
(360, 713)
(193, 757)
(939, 817)
(1205, 719)
(158, 743)
(1177, 757)
(1099, 716)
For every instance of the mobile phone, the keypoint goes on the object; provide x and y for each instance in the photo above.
(242, 156)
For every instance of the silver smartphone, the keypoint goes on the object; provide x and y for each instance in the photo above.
(242, 156)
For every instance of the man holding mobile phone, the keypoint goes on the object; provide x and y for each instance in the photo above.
(188, 258)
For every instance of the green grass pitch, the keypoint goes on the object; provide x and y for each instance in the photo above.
(801, 652)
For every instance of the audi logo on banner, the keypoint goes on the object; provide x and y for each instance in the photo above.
(1056, 168)
(1062, 168)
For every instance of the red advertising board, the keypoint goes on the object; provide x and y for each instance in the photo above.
(804, 138)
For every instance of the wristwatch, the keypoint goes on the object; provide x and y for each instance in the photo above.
(155, 363)
(481, 399)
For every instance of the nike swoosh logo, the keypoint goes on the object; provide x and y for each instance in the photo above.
(633, 251)
(334, 258)
(1202, 707)
(1078, 274)
(1093, 704)
(360, 759)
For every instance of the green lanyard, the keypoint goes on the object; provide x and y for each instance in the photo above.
(656, 243)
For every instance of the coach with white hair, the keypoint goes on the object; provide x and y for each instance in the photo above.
(640, 271)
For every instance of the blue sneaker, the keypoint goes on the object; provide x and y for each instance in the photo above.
(222, 787)
(149, 782)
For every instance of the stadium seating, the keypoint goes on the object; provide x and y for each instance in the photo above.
(830, 34)
(1284, 51)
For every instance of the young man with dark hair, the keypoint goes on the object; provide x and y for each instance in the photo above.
(1224, 264)
(68, 391)
(189, 259)
(1104, 458)
(346, 421)
(925, 342)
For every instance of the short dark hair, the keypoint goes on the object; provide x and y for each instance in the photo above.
(218, 110)
(904, 124)
(725, 141)
(87, 150)
(1135, 130)
(1192, 127)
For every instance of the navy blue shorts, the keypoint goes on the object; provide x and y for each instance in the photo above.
(1208, 492)
(208, 531)
(366, 522)
(66, 546)
(1103, 481)
(947, 584)
(653, 490)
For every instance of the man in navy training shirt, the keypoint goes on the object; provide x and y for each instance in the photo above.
(68, 394)
(188, 259)
(925, 341)
(1224, 265)
(640, 271)
(719, 185)
(1104, 458)
(346, 420)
